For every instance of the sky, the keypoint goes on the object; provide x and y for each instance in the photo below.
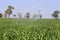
(46, 7)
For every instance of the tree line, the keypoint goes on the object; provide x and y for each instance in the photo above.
(10, 9)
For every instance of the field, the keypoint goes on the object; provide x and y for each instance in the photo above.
(29, 29)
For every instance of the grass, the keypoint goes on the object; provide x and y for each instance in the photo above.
(29, 29)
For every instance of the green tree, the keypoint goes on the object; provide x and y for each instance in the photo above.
(9, 10)
(55, 14)
(0, 15)
(27, 15)
(40, 16)
(14, 15)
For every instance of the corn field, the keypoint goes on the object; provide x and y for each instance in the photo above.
(29, 29)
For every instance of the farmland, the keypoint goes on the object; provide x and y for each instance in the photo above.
(29, 29)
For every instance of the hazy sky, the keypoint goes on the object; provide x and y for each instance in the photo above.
(46, 7)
